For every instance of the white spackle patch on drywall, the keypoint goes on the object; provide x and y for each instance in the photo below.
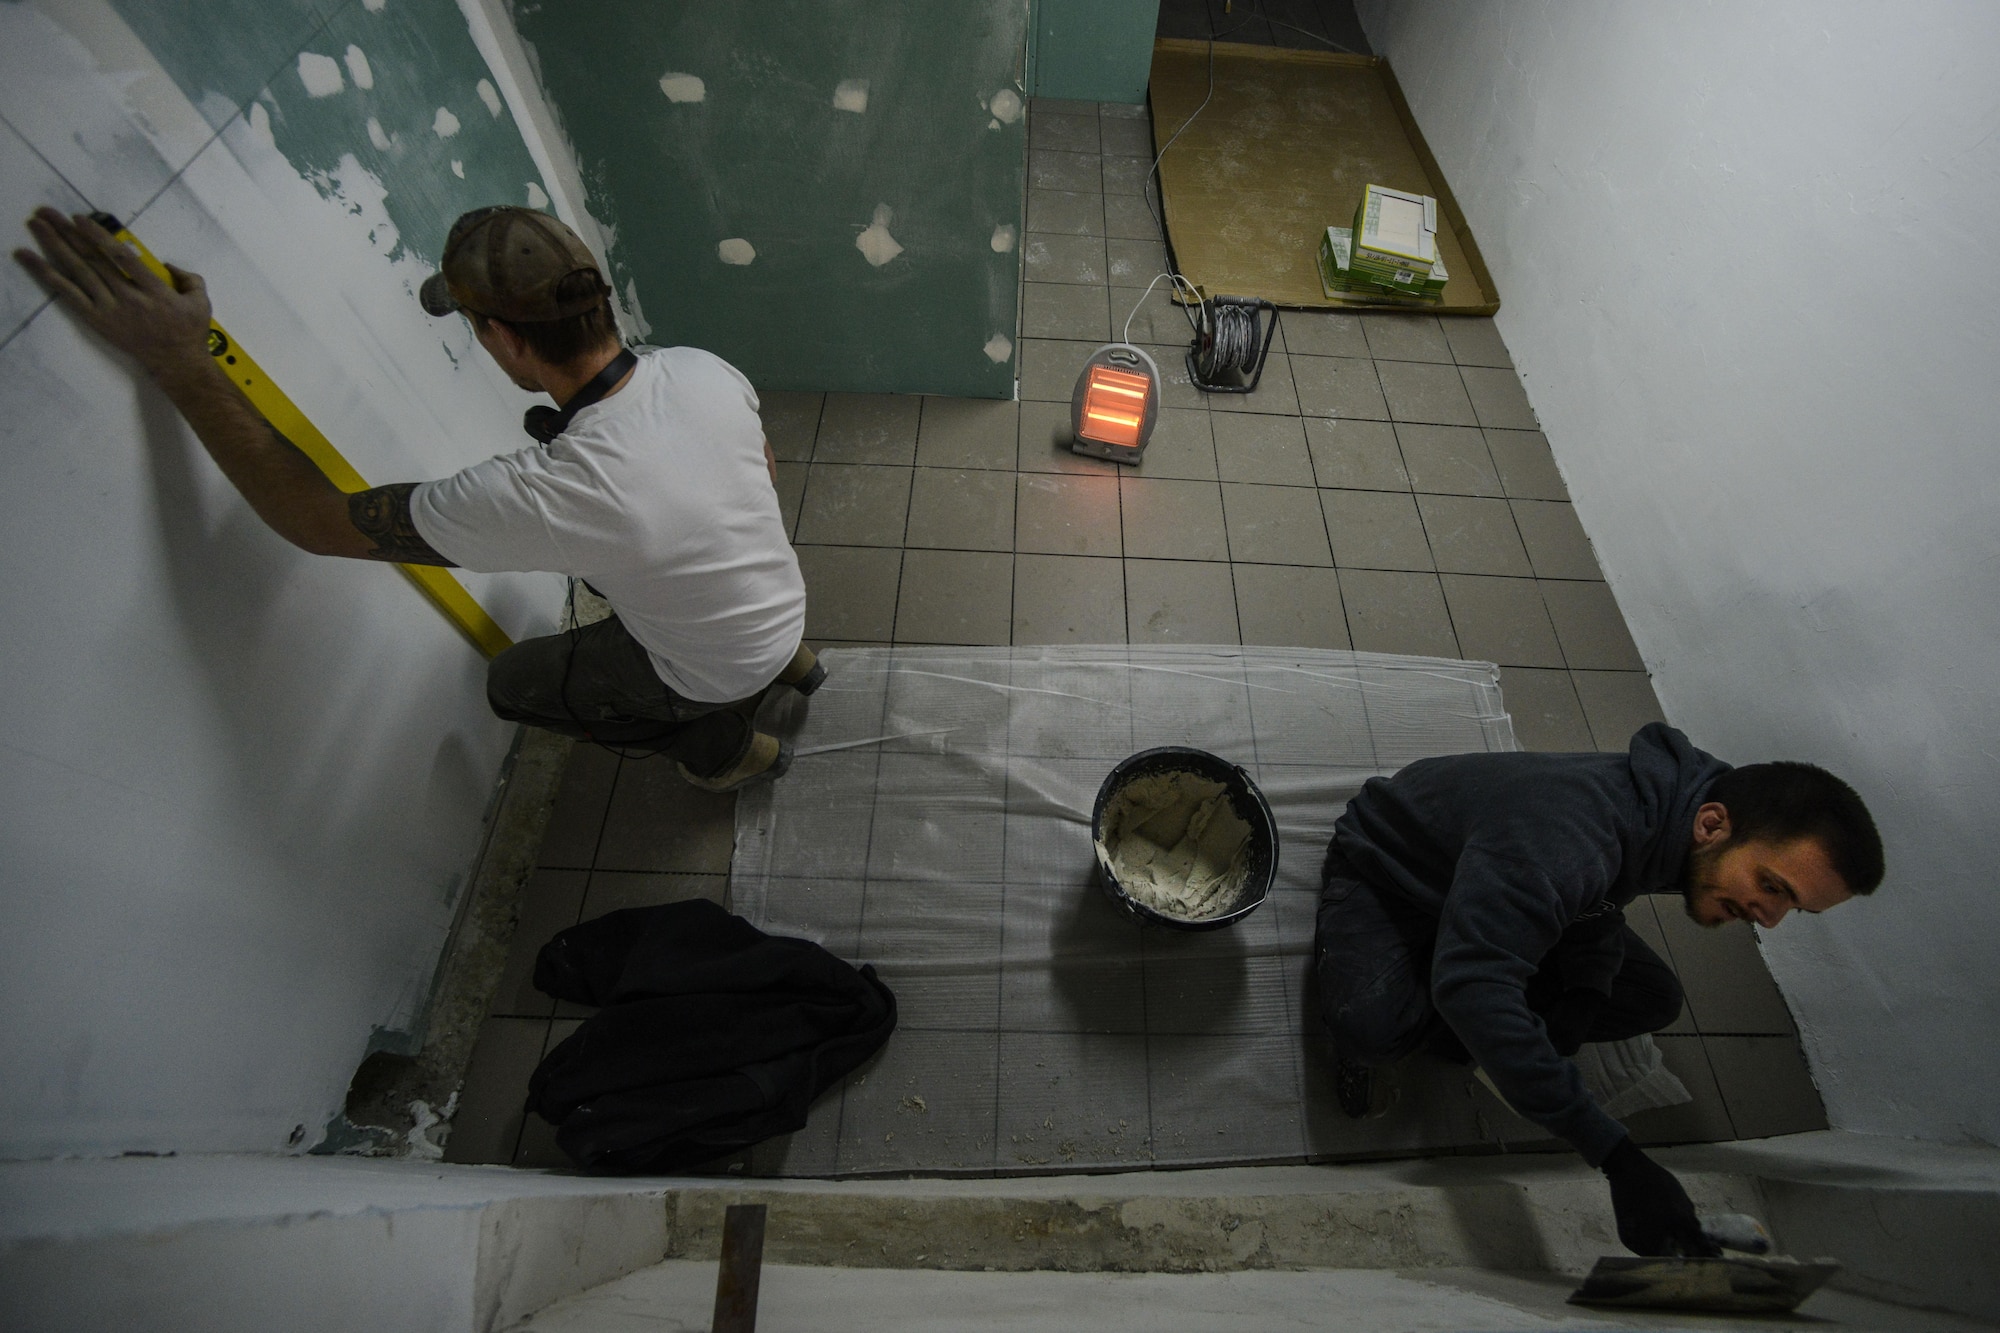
(1003, 238)
(640, 325)
(876, 245)
(736, 250)
(445, 124)
(358, 68)
(1005, 106)
(536, 197)
(320, 74)
(458, 168)
(374, 6)
(998, 348)
(683, 87)
(378, 137)
(851, 95)
(491, 96)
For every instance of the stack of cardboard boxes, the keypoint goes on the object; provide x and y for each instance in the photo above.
(1390, 253)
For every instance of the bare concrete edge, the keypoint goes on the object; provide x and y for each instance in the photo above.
(378, 1120)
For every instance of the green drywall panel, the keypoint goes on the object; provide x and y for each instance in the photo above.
(766, 160)
(422, 127)
(1094, 50)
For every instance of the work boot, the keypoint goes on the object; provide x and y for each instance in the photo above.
(1353, 1088)
(803, 673)
(767, 758)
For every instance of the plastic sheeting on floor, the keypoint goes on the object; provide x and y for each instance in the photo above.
(936, 823)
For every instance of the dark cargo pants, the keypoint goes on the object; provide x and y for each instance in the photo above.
(598, 684)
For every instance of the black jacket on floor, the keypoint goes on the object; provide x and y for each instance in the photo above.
(710, 1035)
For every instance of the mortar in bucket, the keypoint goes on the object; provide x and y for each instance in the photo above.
(1184, 839)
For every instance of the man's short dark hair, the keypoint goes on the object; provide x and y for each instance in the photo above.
(561, 341)
(1785, 801)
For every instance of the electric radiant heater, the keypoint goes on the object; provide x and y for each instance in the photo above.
(1115, 404)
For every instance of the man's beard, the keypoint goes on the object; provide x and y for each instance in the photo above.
(1698, 883)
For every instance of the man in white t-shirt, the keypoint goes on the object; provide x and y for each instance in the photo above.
(652, 481)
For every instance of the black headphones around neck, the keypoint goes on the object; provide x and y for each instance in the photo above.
(545, 423)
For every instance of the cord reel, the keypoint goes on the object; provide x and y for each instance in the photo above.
(1232, 340)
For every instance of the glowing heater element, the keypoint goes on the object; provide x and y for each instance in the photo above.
(1115, 404)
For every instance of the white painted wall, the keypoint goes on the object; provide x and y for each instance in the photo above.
(1749, 259)
(240, 788)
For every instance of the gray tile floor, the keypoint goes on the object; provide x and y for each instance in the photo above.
(1386, 489)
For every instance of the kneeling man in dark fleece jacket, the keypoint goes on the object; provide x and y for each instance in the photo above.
(1472, 906)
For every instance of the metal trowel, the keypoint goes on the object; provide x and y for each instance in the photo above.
(1750, 1282)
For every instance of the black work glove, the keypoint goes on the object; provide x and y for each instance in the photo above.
(1655, 1215)
(1569, 1018)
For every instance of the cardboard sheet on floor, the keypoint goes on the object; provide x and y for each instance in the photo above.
(1040, 1028)
(1279, 155)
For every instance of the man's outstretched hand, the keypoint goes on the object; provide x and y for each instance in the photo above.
(111, 289)
(1655, 1215)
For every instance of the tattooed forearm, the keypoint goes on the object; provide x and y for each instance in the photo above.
(382, 515)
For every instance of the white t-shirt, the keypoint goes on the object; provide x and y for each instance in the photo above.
(658, 496)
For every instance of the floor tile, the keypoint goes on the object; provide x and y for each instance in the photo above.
(1356, 455)
(551, 901)
(1766, 1085)
(1545, 710)
(1501, 620)
(963, 508)
(618, 890)
(1433, 1110)
(1126, 136)
(488, 1123)
(1527, 468)
(1064, 133)
(658, 822)
(1062, 310)
(1275, 392)
(1616, 704)
(1179, 601)
(1375, 530)
(1066, 212)
(1182, 447)
(868, 428)
(956, 597)
(1052, 170)
(1323, 333)
(1447, 460)
(1268, 449)
(1406, 338)
(1498, 398)
(1253, 1078)
(1049, 257)
(1172, 520)
(1049, 369)
(1557, 546)
(1123, 111)
(1288, 606)
(1476, 342)
(1127, 215)
(791, 421)
(968, 432)
(848, 504)
(1156, 320)
(1060, 106)
(1045, 444)
(812, 1151)
(1425, 393)
(927, 1102)
(1339, 386)
(1276, 525)
(791, 493)
(1068, 599)
(1067, 515)
(1134, 261)
(1589, 627)
(1390, 611)
(1176, 385)
(850, 591)
(1217, 981)
(1706, 1119)
(1070, 1094)
(1126, 175)
(1729, 986)
(1472, 535)
(581, 800)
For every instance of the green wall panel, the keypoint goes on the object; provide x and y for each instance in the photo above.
(417, 58)
(765, 157)
(1094, 50)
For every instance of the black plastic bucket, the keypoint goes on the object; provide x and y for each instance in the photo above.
(1244, 799)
